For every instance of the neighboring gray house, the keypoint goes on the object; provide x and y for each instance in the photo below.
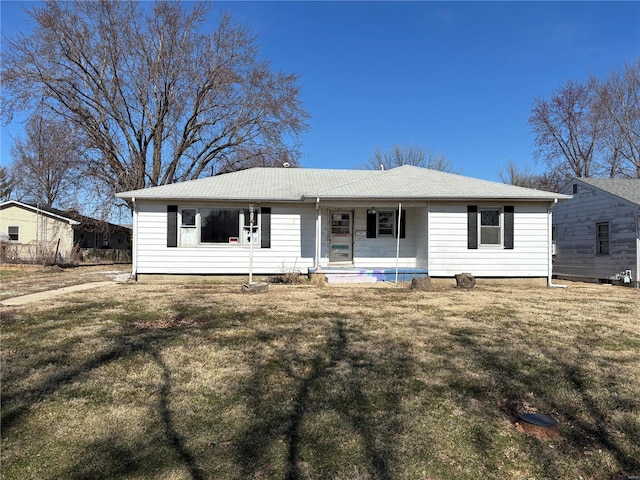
(365, 223)
(597, 232)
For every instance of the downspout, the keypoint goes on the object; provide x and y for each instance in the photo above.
(318, 235)
(550, 247)
(398, 239)
(134, 247)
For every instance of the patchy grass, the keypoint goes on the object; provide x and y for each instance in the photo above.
(202, 381)
(18, 280)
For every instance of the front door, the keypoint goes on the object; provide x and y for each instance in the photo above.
(341, 237)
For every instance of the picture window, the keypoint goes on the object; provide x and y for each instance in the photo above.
(203, 226)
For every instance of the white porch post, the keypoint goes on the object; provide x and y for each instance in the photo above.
(318, 235)
(398, 239)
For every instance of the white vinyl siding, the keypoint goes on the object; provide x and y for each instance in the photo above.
(290, 249)
(435, 237)
(449, 253)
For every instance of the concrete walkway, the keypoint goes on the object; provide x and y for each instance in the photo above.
(38, 297)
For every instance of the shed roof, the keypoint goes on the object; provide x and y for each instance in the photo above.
(302, 184)
(625, 188)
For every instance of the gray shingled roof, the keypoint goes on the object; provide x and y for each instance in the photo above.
(625, 188)
(300, 184)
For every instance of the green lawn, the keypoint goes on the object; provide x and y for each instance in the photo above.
(138, 381)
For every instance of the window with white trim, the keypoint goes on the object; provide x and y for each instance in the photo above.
(218, 225)
(14, 233)
(490, 226)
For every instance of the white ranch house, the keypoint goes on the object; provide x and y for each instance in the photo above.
(370, 224)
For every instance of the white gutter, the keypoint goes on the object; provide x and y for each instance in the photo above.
(398, 239)
(134, 247)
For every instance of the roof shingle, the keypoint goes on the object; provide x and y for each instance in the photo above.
(301, 184)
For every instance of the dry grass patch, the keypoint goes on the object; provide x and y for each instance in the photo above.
(25, 279)
(202, 381)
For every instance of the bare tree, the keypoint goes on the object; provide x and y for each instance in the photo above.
(619, 104)
(158, 100)
(46, 160)
(551, 180)
(6, 184)
(407, 155)
(566, 128)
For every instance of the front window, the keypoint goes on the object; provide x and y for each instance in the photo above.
(602, 238)
(218, 226)
(490, 226)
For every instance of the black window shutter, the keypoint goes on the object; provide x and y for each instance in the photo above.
(371, 225)
(508, 226)
(265, 227)
(403, 225)
(172, 225)
(472, 226)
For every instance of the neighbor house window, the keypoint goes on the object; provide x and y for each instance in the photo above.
(602, 238)
(14, 233)
(490, 226)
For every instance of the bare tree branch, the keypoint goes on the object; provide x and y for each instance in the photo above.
(156, 98)
(415, 155)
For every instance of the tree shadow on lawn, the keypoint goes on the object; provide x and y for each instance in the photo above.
(356, 380)
(340, 414)
(519, 376)
(111, 457)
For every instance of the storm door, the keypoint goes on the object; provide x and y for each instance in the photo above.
(341, 237)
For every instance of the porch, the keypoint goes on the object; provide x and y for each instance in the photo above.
(346, 274)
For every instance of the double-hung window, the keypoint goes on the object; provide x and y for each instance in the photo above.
(386, 223)
(188, 230)
(490, 226)
(14, 233)
(602, 238)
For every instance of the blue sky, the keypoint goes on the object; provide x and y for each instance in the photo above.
(458, 78)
